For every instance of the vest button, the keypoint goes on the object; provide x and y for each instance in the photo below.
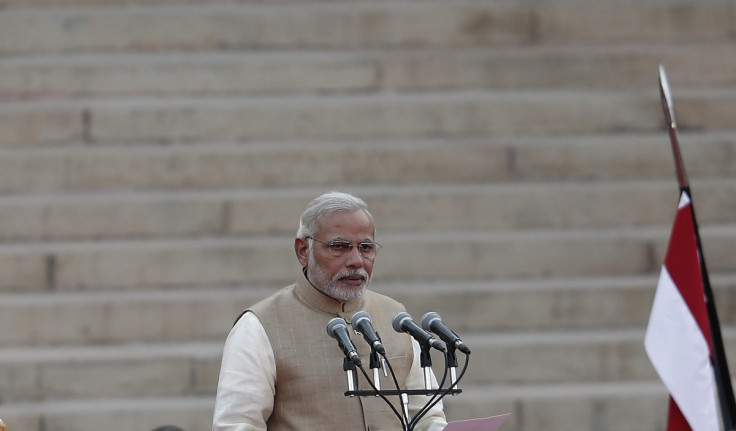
(372, 428)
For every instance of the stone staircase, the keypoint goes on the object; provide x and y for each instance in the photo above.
(155, 156)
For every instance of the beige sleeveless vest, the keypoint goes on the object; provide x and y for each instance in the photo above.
(310, 381)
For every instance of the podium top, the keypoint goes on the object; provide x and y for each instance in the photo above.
(482, 424)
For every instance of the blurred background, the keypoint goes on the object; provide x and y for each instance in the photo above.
(155, 157)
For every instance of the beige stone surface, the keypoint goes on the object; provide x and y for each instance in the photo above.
(155, 156)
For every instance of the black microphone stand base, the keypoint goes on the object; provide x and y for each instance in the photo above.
(389, 392)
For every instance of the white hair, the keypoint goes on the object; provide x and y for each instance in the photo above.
(327, 204)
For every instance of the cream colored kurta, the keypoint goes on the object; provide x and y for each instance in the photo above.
(281, 371)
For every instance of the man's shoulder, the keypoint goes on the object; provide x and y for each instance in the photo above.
(267, 302)
(284, 292)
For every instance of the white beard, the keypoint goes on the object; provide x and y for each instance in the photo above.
(332, 287)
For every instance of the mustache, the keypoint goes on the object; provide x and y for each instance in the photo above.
(352, 273)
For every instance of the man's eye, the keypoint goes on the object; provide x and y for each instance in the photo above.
(365, 247)
(340, 246)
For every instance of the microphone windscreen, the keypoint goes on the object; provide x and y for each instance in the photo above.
(358, 317)
(428, 318)
(399, 320)
(334, 324)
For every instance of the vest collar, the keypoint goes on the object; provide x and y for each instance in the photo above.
(309, 294)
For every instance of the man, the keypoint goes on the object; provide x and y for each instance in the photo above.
(280, 369)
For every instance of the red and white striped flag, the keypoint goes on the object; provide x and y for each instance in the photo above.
(678, 340)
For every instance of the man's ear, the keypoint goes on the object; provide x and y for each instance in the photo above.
(301, 247)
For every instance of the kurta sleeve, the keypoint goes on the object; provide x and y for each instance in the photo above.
(246, 387)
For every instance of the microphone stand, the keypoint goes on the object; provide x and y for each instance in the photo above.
(408, 424)
(440, 393)
(349, 367)
(452, 365)
(425, 361)
(375, 365)
(381, 393)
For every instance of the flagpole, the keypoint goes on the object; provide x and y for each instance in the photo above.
(720, 365)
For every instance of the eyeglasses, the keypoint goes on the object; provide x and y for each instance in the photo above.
(339, 247)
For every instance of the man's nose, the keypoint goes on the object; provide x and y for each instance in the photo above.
(354, 258)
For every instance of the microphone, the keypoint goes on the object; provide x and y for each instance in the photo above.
(402, 323)
(362, 323)
(337, 328)
(433, 322)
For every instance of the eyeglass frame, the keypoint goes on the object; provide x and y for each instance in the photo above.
(350, 245)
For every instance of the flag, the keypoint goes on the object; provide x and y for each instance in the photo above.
(677, 339)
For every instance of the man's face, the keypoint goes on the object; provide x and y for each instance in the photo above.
(346, 277)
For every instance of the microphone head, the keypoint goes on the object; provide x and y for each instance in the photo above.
(399, 321)
(428, 318)
(358, 317)
(334, 324)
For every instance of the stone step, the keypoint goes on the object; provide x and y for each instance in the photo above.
(626, 405)
(191, 369)
(114, 414)
(149, 316)
(407, 208)
(349, 25)
(465, 255)
(630, 406)
(409, 256)
(105, 3)
(549, 357)
(365, 116)
(370, 71)
(468, 255)
(196, 74)
(361, 162)
(96, 3)
(385, 116)
(119, 371)
(545, 303)
(207, 313)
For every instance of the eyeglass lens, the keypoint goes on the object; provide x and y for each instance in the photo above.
(338, 248)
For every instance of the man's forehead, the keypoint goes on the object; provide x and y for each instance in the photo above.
(351, 226)
(335, 238)
(345, 221)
